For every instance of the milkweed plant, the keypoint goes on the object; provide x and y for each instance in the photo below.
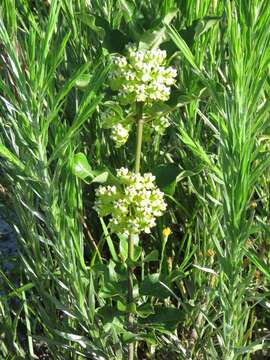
(108, 143)
(141, 78)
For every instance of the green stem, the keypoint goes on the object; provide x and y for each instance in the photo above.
(164, 241)
(139, 108)
(130, 294)
(139, 137)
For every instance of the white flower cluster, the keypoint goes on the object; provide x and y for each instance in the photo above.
(134, 206)
(120, 126)
(160, 125)
(142, 76)
(120, 134)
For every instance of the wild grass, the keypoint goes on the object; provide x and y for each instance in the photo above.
(202, 293)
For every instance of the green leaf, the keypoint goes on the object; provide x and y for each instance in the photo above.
(80, 166)
(179, 98)
(91, 298)
(82, 340)
(137, 252)
(198, 151)
(164, 318)
(129, 337)
(166, 177)
(128, 8)
(6, 154)
(197, 28)
(88, 104)
(152, 256)
(151, 286)
(205, 24)
(100, 176)
(90, 21)
(114, 40)
(182, 46)
(114, 289)
(145, 310)
(121, 306)
(258, 263)
(109, 240)
(21, 289)
(108, 313)
(152, 38)
(123, 248)
(83, 81)
(262, 344)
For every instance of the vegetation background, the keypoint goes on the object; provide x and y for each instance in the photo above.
(203, 292)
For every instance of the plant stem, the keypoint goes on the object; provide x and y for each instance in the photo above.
(139, 109)
(130, 294)
(139, 137)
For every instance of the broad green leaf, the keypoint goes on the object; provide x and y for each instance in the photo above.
(166, 177)
(145, 310)
(197, 28)
(114, 289)
(178, 98)
(115, 41)
(129, 337)
(121, 306)
(150, 286)
(83, 80)
(152, 38)
(80, 166)
(123, 248)
(88, 104)
(100, 176)
(152, 256)
(164, 318)
(90, 21)
(108, 313)
(82, 340)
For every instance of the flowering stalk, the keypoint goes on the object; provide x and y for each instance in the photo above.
(141, 77)
(139, 137)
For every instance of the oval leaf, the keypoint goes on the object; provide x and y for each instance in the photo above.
(80, 166)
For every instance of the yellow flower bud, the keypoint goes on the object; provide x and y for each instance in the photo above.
(167, 231)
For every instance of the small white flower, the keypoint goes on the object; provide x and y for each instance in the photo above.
(146, 77)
